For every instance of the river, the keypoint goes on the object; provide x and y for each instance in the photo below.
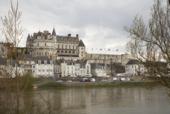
(117, 100)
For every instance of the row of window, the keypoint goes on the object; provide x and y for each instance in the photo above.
(42, 53)
(44, 62)
(66, 46)
(59, 51)
(48, 70)
(60, 46)
(66, 51)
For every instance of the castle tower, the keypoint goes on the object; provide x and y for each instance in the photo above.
(53, 32)
(82, 50)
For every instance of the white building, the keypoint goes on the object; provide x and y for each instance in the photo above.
(134, 68)
(43, 67)
(83, 69)
(75, 69)
(99, 70)
(8, 70)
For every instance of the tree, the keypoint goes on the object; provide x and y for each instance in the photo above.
(12, 30)
(151, 42)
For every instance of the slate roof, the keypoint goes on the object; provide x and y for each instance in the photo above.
(67, 39)
(81, 44)
(132, 62)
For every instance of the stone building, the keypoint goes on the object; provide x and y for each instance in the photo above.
(107, 58)
(55, 46)
(5, 49)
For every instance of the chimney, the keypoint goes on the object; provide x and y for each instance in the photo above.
(69, 35)
(77, 36)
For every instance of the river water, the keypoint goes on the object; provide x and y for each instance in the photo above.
(117, 100)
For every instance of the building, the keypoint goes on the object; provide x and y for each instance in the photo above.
(51, 55)
(2, 67)
(134, 68)
(5, 49)
(55, 46)
(43, 67)
(107, 70)
(107, 58)
(75, 69)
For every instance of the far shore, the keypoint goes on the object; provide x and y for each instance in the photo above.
(53, 84)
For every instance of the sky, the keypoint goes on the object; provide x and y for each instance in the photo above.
(99, 23)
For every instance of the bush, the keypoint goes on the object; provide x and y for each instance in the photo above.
(27, 81)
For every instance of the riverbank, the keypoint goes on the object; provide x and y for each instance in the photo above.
(53, 84)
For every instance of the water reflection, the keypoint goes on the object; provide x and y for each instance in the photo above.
(120, 100)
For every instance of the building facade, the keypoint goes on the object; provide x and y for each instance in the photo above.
(134, 68)
(75, 69)
(55, 46)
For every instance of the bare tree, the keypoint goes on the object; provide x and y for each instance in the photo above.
(151, 41)
(12, 25)
(12, 30)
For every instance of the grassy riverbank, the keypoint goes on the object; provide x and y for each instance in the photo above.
(53, 84)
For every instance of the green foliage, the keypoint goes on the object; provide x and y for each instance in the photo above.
(27, 81)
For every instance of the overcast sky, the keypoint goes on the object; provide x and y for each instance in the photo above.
(100, 23)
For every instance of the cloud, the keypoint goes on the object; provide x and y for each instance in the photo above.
(99, 23)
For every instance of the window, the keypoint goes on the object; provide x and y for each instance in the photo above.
(45, 61)
(39, 61)
(45, 53)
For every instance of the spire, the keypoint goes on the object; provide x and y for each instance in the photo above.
(54, 33)
(81, 44)
(28, 37)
